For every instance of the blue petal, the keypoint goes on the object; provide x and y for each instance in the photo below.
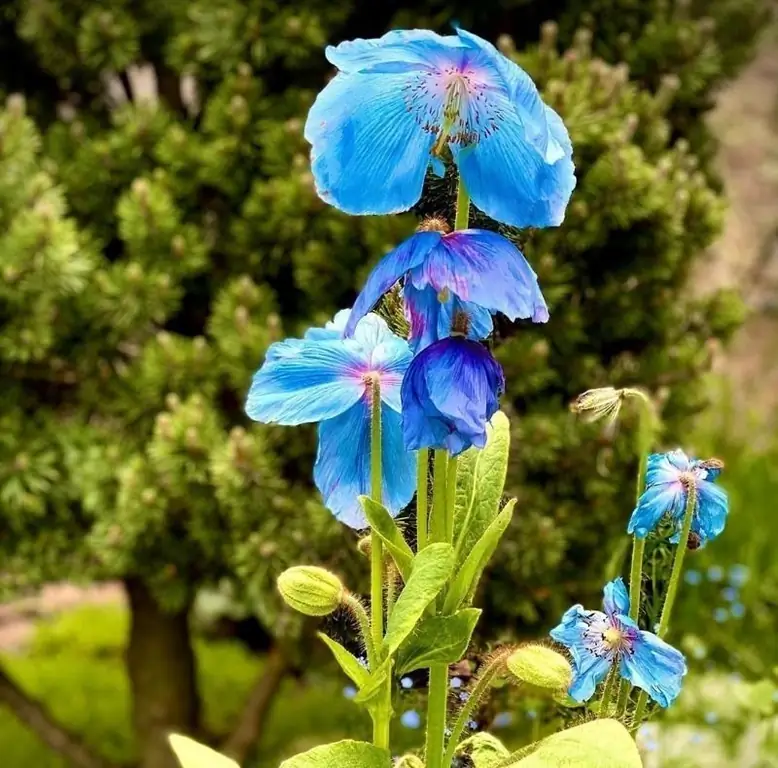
(438, 167)
(361, 131)
(449, 394)
(397, 50)
(333, 329)
(679, 460)
(388, 271)
(342, 469)
(486, 269)
(307, 381)
(587, 675)
(616, 597)
(712, 509)
(654, 666)
(391, 359)
(660, 469)
(655, 501)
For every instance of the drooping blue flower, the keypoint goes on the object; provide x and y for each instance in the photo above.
(597, 641)
(668, 478)
(472, 271)
(449, 394)
(327, 379)
(398, 105)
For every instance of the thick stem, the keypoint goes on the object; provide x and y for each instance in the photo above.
(34, 715)
(672, 587)
(451, 496)
(422, 499)
(462, 218)
(482, 685)
(252, 720)
(438, 521)
(610, 687)
(163, 678)
(437, 709)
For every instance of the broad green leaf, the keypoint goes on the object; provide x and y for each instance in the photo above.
(384, 525)
(470, 572)
(341, 754)
(480, 483)
(432, 568)
(597, 744)
(409, 761)
(191, 754)
(348, 662)
(484, 750)
(437, 639)
(375, 681)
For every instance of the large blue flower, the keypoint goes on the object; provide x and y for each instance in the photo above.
(668, 478)
(400, 102)
(449, 394)
(598, 640)
(325, 378)
(471, 271)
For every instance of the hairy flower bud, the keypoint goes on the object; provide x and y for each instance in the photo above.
(540, 666)
(311, 590)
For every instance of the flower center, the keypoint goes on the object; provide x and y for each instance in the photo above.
(613, 638)
(688, 479)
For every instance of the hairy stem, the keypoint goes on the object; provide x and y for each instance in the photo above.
(422, 499)
(438, 521)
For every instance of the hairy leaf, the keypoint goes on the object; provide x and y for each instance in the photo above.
(341, 754)
(384, 525)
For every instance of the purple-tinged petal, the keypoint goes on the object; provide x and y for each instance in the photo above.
(615, 598)
(486, 269)
(656, 501)
(307, 381)
(361, 130)
(654, 666)
(388, 271)
(342, 469)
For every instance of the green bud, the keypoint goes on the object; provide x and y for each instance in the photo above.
(311, 590)
(540, 666)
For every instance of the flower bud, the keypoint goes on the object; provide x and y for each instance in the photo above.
(310, 590)
(540, 666)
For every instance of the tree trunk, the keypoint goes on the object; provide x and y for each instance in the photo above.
(163, 679)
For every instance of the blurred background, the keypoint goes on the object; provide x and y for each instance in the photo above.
(159, 229)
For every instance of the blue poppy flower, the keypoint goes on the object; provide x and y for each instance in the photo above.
(327, 379)
(597, 641)
(449, 393)
(471, 271)
(668, 477)
(399, 103)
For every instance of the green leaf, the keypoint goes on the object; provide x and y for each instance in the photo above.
(348, 662)
(384, 525)
(432, 568)
(192, 754)
(341, 754)
(597, 744)
(438, 639)
(470, 572)
(375, 681)
(484, 750)
(480, 483)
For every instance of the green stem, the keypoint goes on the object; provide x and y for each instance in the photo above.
(672, 588)
(422, 499)
(476, 695)
(608, 691)
(382, 712)
(451, 496)
(462, 218)
(437, 709)
(438, 522)
(354, 605)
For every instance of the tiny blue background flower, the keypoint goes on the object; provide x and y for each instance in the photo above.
(401, 102)
(327, 379)
(597, 641)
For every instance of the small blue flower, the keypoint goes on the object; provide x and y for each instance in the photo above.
(715, 573)
(692, 577)
(720, 615)
(711, 718)
(471, 271)
(327, 379)
(668, 477)
(738, 575)
(406, 683)
(411, 719)
(349, 692)
(738, 610)
(398, 105)
(597, 641)
(730, 594)
(449, 394)
(472, 725)
(502, 720)
(455, 682)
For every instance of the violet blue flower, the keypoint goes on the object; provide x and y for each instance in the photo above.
(402, 102)
(597, 641)
(327, 379)
(471, 271)
(449, 393)
(668, 477)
